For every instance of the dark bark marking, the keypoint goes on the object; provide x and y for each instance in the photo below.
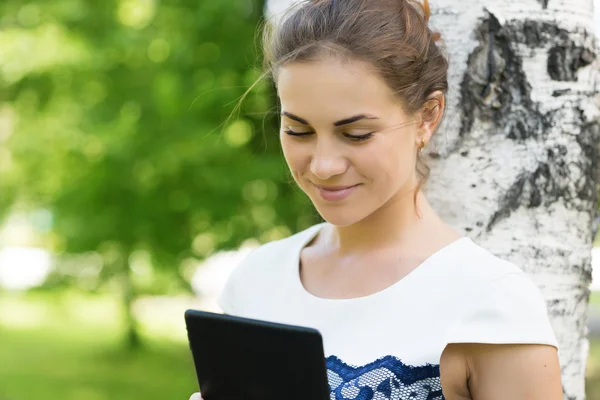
(589, 141)
(558, 93)
(495, 87)
(551, 180)
(565, 60)
(538, 33)
(548, 183)
(509, 203)
(544, 3)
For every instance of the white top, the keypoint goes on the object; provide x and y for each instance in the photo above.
(388, 345)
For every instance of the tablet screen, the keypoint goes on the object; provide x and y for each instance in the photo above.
(245, 359)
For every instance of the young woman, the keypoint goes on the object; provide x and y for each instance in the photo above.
(408, 307)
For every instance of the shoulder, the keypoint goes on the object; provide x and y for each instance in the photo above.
(260, 268)
(501, 303)
(271, 255)
(481, 265)
(499, 282)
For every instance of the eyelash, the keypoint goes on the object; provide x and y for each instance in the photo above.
(355, 138)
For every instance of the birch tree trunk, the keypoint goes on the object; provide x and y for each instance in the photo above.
(516, 163)
(518, 170)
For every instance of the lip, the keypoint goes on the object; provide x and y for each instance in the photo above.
(335, 193)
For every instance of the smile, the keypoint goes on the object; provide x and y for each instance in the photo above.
(335, 193)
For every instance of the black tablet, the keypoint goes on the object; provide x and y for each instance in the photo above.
(246, 359)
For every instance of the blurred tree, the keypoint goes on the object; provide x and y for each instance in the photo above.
(117, 109)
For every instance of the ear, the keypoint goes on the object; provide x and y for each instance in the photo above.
(430, 116)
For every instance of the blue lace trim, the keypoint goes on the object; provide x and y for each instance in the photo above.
(386, 378)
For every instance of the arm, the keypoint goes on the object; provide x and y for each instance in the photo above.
(500, 372)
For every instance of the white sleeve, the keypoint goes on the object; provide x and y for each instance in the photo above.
(509, 310)
(230, 299)
(226, 299)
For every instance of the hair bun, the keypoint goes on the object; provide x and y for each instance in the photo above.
(422, 7)
(424, 10)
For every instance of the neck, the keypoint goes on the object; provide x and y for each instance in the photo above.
(398, 222)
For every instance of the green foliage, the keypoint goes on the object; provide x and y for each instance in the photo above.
(118, 109)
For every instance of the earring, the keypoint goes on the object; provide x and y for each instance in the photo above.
(422, 145)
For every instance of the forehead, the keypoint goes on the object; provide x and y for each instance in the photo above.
(333, 89)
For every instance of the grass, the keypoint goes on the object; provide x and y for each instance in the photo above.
(36, 365)
(595, 300)
(69, 346)
(593, 368)
(51, 354)
(592, 385)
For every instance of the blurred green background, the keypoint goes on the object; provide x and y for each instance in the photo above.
(123, 156)
(124, 165)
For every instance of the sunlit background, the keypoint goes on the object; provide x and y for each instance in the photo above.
(131, 186)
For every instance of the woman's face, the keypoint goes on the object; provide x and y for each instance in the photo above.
(348, 143)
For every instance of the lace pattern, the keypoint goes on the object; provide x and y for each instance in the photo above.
(386, 378)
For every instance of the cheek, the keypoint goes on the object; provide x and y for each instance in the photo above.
(292, 153)
(391, 164)
(286, 147)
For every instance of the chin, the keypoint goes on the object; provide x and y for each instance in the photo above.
(340, 216)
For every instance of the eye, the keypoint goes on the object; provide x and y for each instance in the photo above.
(299, 134)
(359, 138)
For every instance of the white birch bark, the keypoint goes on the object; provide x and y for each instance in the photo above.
(516, 163)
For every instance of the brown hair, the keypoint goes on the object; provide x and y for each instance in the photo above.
(392, 35)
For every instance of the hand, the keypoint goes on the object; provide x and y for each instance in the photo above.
(196, 396)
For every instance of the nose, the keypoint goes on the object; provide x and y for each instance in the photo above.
(327, 159)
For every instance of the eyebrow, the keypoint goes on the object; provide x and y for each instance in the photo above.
(355, 118)
(295, 118)
(341, 122)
